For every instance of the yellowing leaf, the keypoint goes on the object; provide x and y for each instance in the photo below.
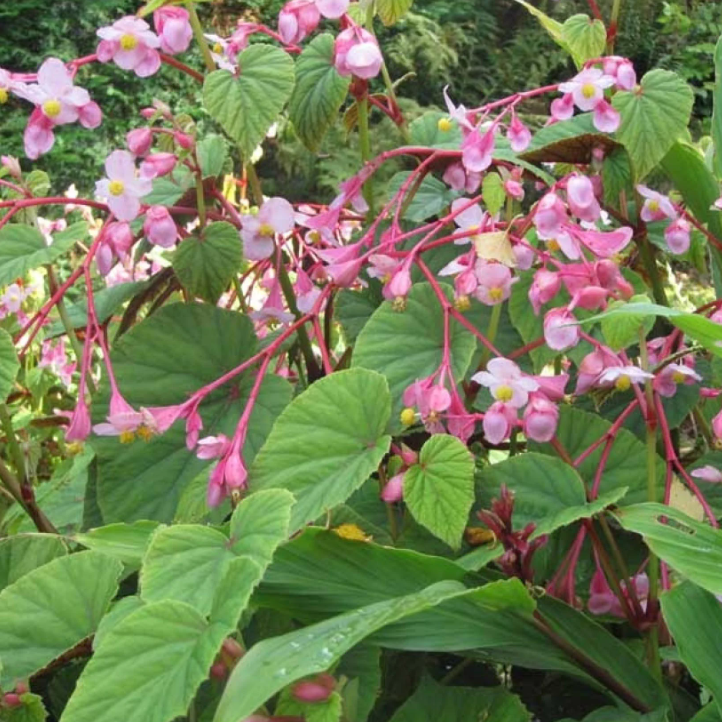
(682, 499)
(495, 246)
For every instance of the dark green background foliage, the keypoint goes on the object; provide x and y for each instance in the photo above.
(482, 48)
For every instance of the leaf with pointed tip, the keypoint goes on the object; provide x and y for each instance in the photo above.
(391, 11)
(22, 553)
(585, 38)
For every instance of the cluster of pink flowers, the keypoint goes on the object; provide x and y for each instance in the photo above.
(54, 357)
(658, 207)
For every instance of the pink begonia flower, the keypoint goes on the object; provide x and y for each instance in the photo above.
(494, 282)
(131, 45)
(400, 284)
(344, 263)
(621, 70)
(553, 387)
(212, 447)
(431, 399)
(139, 141)
(540, 419)
(524, 256)
(550, 217)
(560, 329)
(544, 288)
(606, 118)
(258, 232)
(229, 474)
(307, 293)
(656, 206)
(459, 113)
(602, 599)
(477, 149)
(562, 108)
(460, 423)
(12, 165)
(79, 427)
(159, 227)
(220, 52)
(506, 382)
(123, 188)
(514, 189)
(602, 244)
(673, 375)
(499, 421)
(393, 491)
(13, 298)
(157, 165)
(587, 88)
(581, 199)
(518, 135)
(357, 52)
(172, 23)
(593, 365)
(297, 19)
(117, 241)
(611, 278)
(7, 85)
(455, 176)
(678, 236)
(125, 422)
(54, 357)
(472, 219)
(273, 309)
(707, 473)
(717, 425)
(622, 377)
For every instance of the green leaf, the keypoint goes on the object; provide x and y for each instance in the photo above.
(319, 92)
(425, 130)
(626, 465)
(391, 11)
(717, 112)
(9, 364)
(151, 663)
(205, 265)
(617, 178)
(432, 702)
(431, 198)
(159, 362)
(407, 346)
(326, 443)
(619, 333)
(439, 490)
(694, 618)
(361, 667)
(654, 116)
(553, 27)
(247, 106)
(212, 154)
(355, 308)
(314, 649)
(22, 553)
(700, 328)
(493, 193)
(187, 562)
(31, 710)
(118, 611)
(585, 38)
(548, 492)
(125, 542)
(692, 548)
(167, 191)
(23, 248)
(68, 596)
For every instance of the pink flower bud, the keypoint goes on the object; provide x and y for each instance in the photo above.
(590, 298)
(540, 420)
(158, 164)
(90, 115)
(581, 198)
(545, 286)
(550, 215)
(21, 687)
(560, 329)
(121, 238)
(519, 135)
(677, 236)
(562, 108)
(514, 189)
(79, 428)
(12, 700)
(318, 689)
(357, 52)
(219, 671)
(707, 473)
(400, 284)
(173, 26)
(147, 113)
(524, 256)
(139, 141)
(184, 140)
(394, 489)
(159, 227)
(13, 166)
(455, 176)
(231, 648)
(297, 19)
(408, 456)
(499, 420)
(235, 474)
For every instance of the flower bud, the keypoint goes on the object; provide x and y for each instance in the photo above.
(159, 227)
(158, 164)
(318, 689)
(139, 140)
(393, 491)
(184, 140)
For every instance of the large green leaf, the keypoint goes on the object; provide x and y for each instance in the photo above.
(125, 542)
(717, 112)
(212, 154)
(23, 248)
(326, 443)
(430, 199)
(161, 361)
(361, 667)
(407, 346)
(22, 553)
(690, 547)
(247, 106)
(626, 464)
(547, 492)
(585, 38)
(391, 11)
(694, 618)
(439, 490)
(151, 663)
(9, 364)
(432, 702)
(319, 92)
(206, 264)
(654, 116)
(186, 562)
(52, 608)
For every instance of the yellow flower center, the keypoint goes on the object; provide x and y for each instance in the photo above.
(653, 206)
(399, 304)
(678, 377)
(588, 90)
(145, 433)
(352, 532)
(74, 448)
(217, 48)
(496, 293)
(128, 42)
(504, 394)
(3, 95)
(408, 417)
(553, 245)
(445, 125)
(116, 187)
(52, 108)
(314, 236)
(127, 437)
(623, 383)
(266, 229)
(462, 304)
